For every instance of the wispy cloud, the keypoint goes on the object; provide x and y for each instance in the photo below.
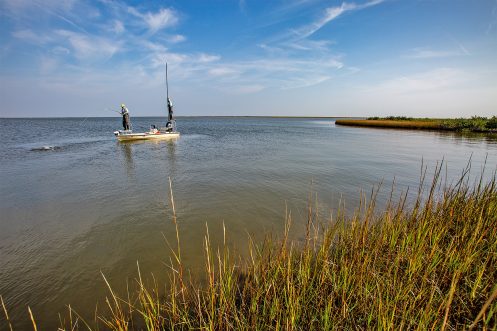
(306, 81)
(291, 64)
(493, 20)
(89, 47)
(427, 53)
(314, 60)
(59, 50)
(63, 17)
(153, 46)
(31, 37)
(47, 64)
(247, 89)
(185, 60)
(242, 4)
(165, 17)
(205, 58)
(279, 73)
(177, 38)
(330, 14)
(432, 81)
(308, 45)
(117, 27)
(19, 7)
(223, 71)
(26, 11)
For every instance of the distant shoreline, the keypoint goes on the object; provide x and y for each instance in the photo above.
(475, 124)
(185, 116)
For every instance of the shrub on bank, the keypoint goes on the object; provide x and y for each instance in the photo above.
(492, 123)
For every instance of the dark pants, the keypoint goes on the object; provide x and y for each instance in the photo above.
(126, 122)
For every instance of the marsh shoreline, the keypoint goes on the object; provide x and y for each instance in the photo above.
(412, 125)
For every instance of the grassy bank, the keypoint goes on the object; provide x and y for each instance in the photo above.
(473, 124)
(430, 265)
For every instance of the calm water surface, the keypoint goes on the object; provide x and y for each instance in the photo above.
(89, 204)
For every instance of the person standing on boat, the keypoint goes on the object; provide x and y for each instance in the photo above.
(125, 114)
(169, 124)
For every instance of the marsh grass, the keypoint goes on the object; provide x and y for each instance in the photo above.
(473, 124)
(429, 265)
(400, 124)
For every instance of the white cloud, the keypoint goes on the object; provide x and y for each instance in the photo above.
(441, 92)
(430, 81)
(59, 50)
(268, 48)
(277, 73)
(246, 89)
(427, 53)
(160, 58)
(118, 27)
(165, 17)
(155, 47)
(305, 81)
(4, 50)
(242, 4)
(47, 64)
(29, 36)
(26, 12)
(205, 58)
(177, 38)
(333, 63)
(189, 62)
(309, 45)
(18, 7)
(493, 21)
(222, 71)
(311, 57)
(330, 14)
(89, 47)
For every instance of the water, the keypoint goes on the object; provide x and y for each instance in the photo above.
(74, 202)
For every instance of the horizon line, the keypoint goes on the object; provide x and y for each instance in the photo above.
(185, 116)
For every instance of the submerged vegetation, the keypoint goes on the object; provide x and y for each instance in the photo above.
(473, 124)
(428, 265)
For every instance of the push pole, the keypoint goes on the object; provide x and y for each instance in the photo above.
(167, 86)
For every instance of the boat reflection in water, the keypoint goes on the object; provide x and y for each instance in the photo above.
(164, 149)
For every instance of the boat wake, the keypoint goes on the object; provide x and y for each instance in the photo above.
(45, 148)
(68, 144)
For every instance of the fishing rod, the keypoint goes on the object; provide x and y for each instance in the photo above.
(170, 118)
(116, 111)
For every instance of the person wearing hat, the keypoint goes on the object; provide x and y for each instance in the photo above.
(125, 114)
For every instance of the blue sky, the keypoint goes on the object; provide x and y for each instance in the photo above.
(434, 58)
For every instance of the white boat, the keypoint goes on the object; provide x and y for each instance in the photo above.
(168, 132)
(128, 135)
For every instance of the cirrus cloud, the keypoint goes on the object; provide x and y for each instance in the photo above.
(165, 17)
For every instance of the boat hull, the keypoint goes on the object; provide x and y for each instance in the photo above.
(147, 136)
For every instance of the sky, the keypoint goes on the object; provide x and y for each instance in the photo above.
(421, 58)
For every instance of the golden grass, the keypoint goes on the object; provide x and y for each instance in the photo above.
(412, 124)
(431, 265)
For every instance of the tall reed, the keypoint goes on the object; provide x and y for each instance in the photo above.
(430, 265)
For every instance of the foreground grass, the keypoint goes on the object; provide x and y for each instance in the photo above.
(473, 124)
(432, 265)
